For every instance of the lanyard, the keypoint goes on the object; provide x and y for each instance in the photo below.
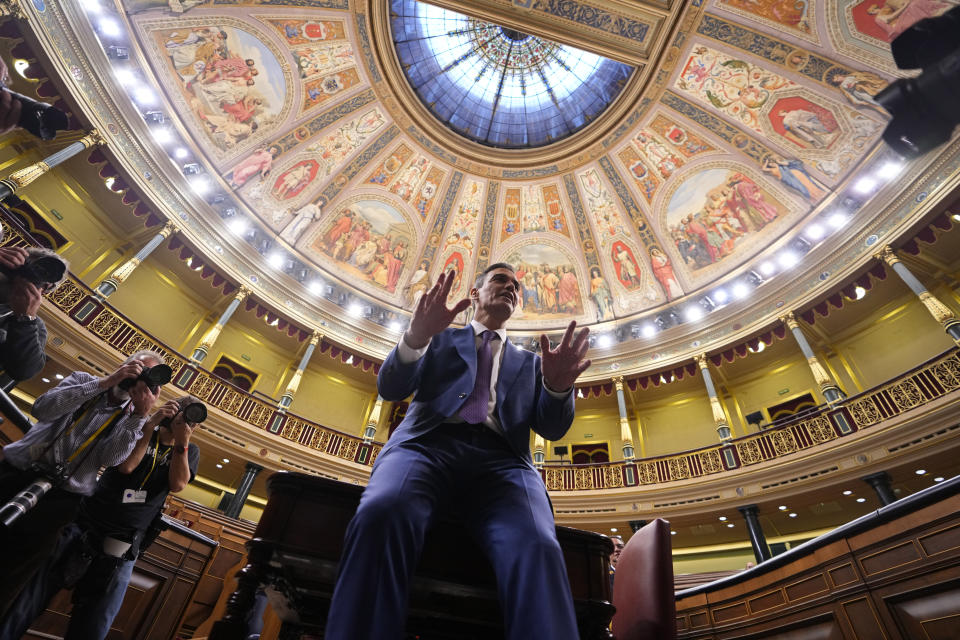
(106, 424)
(156, 448)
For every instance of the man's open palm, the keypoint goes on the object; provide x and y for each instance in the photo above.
(432, 315)
(562, 366)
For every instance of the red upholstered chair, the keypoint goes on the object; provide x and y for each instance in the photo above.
(643, 586)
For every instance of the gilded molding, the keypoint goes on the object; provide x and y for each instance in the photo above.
(940, 312)
(790, 320)
(887, 254)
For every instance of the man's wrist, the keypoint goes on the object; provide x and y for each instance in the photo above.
(181, 447)
(414, 343)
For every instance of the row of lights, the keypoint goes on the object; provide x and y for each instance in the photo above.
(225, 461)
(109, 29)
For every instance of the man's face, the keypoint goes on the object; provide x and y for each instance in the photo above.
(499, 293)
(617, 548)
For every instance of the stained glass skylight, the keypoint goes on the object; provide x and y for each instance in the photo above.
(498, 86)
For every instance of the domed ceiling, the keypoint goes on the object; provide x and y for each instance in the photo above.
(692, 174)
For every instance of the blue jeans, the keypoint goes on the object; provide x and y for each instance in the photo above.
(96, 598)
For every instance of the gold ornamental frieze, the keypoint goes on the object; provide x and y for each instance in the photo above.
(320, 439)
(820, 429)
(647, 472)
(612, 478)
(749, 451)
(710, 461)
(947, 373)
(906, 395)
(292, 429)
(105, 325)
(67, 296)
(554, 479)
(260, 415)
(679, 468)
(348, 449)
(783, 442)
(865, 413)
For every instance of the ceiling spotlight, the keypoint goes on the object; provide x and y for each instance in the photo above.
(219, 466)
(355, 310)
(759, 348)
(723, 518)
(920, 472)
(837, 220)
(154, 117)
(787, 259)
(692, 314)
(162, 136)
(720, 296)
(707, 304)
(865, 185)
(125, 77)
(740, 291)
(792, 515)
(47, 380)
(814, 232)
(92, 6)
(192, 169)
(109, 27)
(226, 461)
(201, 186)
(605, 341)
(21, 66)
(613, 529)
(673, 533)
(890, 170)
(861, 499)
(59, 376)
(859, 292)
(143, 95)
(349, 360)
(847, 492)
(396, 326)
(315, 287)
(938, 479)
(180, 153)
(109, 182)
(956, 217)
(580, 393)
(648, 330)
(767, 268)
(275, 260)
(118, 52)
(782, 507)
(238, 225)
(730, 525)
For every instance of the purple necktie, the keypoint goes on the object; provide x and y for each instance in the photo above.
(474, 410)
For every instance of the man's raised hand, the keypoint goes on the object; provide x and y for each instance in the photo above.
(562, 366)
(432, 315)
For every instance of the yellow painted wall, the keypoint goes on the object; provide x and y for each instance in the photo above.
(338, 403)
(676, 425)
(728, 560)
(763, 389)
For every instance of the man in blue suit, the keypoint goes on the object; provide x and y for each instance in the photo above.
(464, 446)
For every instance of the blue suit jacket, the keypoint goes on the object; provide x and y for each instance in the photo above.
(444, 377)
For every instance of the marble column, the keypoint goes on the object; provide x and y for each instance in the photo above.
(22, 177)
(625, 436)
(830, 390)
(370, 430)
(940, 312)
(719, 418)
(757, 540)
(214, 332)
(243, 490)
(287, 398)
(109, 286)
(880, 482)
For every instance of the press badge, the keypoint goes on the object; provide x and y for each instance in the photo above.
(132, 495)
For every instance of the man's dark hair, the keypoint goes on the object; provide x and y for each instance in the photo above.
(496, 265)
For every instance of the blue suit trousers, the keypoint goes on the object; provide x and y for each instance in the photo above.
(504, 505)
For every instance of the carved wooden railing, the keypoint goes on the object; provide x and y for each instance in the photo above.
(913, 389)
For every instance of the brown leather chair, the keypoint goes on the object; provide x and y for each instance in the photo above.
(643, 586)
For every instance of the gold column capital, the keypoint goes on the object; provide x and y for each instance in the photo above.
(316, 337)
(618, 382)
(242, 293)
(887, 254)
(790, 320)
(702, 361)
(169, 228)
(124, 270)
(13, 9)
(93, 139)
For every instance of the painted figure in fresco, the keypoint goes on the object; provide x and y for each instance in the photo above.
(793, 174)
(292, 181)
(419, 282)
(395, 269)
(896, 16)
(789, 13)
(339, 229)
(807, 126)
(600, 293)
(663, 272)
(302, 218)
(531, 297)
(859, 87)
(569, 292)
(626, 266)
(257, 163)
(746, 198)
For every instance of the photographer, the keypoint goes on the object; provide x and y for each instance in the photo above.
(85, 423)
(96, 554)
(25, 275)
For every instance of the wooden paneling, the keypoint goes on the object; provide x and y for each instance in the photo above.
(896, 580)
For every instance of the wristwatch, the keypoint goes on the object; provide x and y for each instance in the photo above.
(24, 317)
(181, 448)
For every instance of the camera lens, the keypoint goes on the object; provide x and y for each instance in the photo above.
(157, 376)
(195, 413)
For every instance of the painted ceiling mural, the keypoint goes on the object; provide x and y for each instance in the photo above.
(765, 108)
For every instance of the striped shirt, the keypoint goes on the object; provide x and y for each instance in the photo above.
(54, 411)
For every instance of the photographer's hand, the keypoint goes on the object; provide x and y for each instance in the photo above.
(128, 370)
(168, 410)
(12, 257)
(25, 297)
(9, 111)
(143, 398)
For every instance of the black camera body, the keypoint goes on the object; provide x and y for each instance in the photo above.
(195, 413)
(154, 377)
(39, 269)
(39, 118)
(48, 477)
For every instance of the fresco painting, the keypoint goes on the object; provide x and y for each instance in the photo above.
(294, 180)
(320, 89)
(259, 163)
(460, 286)
(792, 14)
(663, 272)
(319, 59)
(530, 209)
(793, 174)
(231, 82)
(656, 152)
(626, 266)
(680, 138)
(737, 88)
(466, 219)
(406, 184)
(642, 175)
(427, 194)
(805, 124)
(369, 240)
(511, 213)
(600, 295)
(556, 220)
(602, 209)
(548, 283)
(333, 149)
(859, 87)
(388, 168)
(884, 20)
(297, 32)
(716, 213)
